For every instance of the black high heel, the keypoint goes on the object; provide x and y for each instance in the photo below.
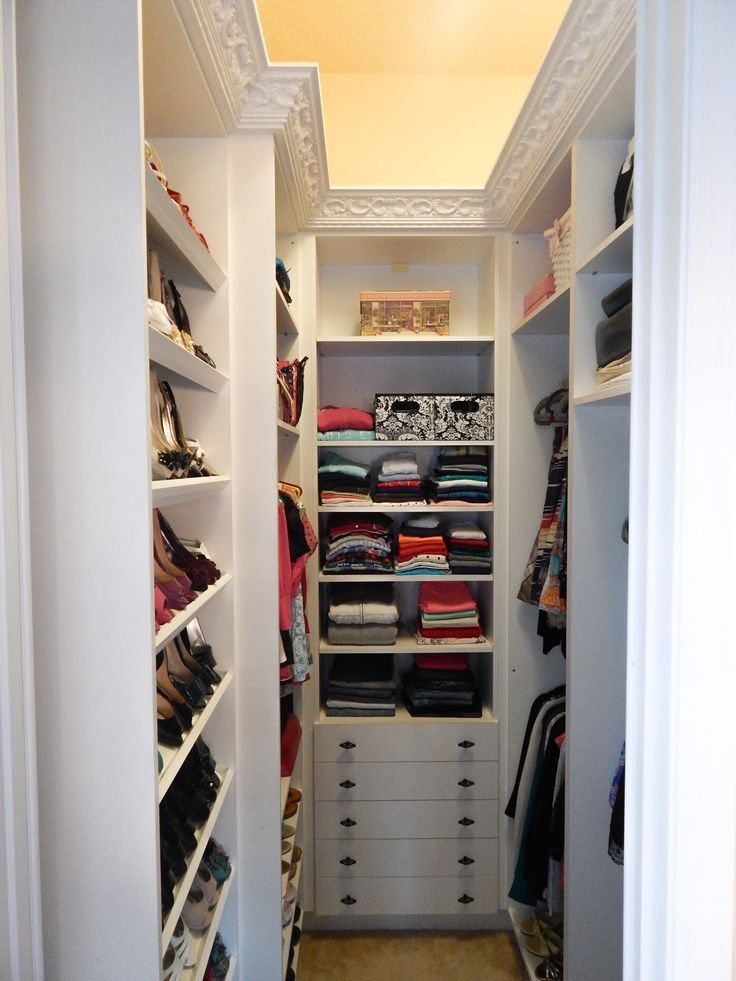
(203, 672)
(171, 686)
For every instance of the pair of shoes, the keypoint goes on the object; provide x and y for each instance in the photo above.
(217, 861)
(172, 453)
(197, 912)
(200, 569)
(549, 970)
(219, 962)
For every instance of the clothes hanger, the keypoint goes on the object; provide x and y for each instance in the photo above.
(293, 490)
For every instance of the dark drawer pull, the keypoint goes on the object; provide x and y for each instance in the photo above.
(347, 745)
(466, 783)
(465, 899)
(347, 785)
(466, 861)
(347, 861)
(466, 744)
(348, 901)
(466, 822)
(348, 823)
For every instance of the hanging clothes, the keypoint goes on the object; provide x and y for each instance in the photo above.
(616, 800)
(297, 541)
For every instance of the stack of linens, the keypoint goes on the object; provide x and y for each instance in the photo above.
(357, 543)
(448, 615)
(468, 548)
(345, 422)
(361, 685)
(441, 685)
(341, 481)
(362, 614)
(398, 480)
(421, 548)
(461, 476)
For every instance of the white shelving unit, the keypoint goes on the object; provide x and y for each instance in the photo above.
(168, 354)
(176, 491)
(203, 943)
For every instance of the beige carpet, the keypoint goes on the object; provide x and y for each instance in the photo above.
(409, 956)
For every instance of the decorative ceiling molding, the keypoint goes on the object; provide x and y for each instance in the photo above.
(595, 40)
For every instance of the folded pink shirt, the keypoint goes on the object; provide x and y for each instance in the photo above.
(333, 417)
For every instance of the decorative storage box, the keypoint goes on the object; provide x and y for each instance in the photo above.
(539, 293)
(406, 417)
(458, 417)
(412, 312)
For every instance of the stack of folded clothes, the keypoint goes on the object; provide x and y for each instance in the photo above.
(398, 481)
(344, 422)
(342, 481)
(468, 548)
(422, 548)
(461, 476)
(441, 685)
(362, 614)
(448, 614)
(358, 543)
(361, 685)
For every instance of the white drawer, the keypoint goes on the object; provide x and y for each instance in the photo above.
(406, 781)
(406, 819)
(356, 897)
(417, 741)
(416, 857)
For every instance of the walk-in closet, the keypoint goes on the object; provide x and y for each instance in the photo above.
(359, 577)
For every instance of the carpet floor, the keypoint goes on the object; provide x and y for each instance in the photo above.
(408, 956)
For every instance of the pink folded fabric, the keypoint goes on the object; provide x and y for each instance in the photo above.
(442, 662)
(333, 417)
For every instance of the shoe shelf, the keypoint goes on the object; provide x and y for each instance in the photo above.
(289, 928)
(286, 430)
(167, 353)
(408, 508)
(406, 443)
(616, 393)
(295, 960)
(203, 835)
(553, 317)
(406, 643)
(168, 227)
(614, 254)
(403, 717)
(182, 618)
(518, 916)
(174, 757)
(285, 323)
(203, 942)
(173, 491)
(402, 345)
(286, 856)
(285, 784)
(394, 577)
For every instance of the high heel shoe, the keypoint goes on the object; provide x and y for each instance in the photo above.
(165, 563)
(175, 596)
(176, 691)
(181, 675)
(196, 565)
(174, 702)
(193, 638)
(162, 613)
(167, 452)
(199, 668)
(175, 431)
(170, 732)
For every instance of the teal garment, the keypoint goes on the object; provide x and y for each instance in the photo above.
(335, 435)
(334, 463)
(520, 889)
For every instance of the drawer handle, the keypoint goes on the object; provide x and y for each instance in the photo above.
(348, 901)
(348, 823)
(466, 744)
(466, 822)
(347, 861)
(347, 745)
(466, 783)
(465, 899)
(347, 785)
(466, 861)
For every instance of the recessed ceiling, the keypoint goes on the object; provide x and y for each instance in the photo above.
(458, 37)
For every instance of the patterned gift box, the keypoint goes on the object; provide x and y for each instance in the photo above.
(459, 417)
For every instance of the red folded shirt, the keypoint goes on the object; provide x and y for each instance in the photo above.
(445, 597)
(333, 417)
(442, 662)
(450, 631)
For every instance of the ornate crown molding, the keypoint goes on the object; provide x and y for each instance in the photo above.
(594, 42)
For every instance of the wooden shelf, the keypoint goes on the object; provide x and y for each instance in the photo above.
(286, 430)
(406, 443)
(174, 757)
(553, 317)
(203, 942)
(285, 323)
(408, 508)
(339, 577)
(182, 618)
(406, 643)
(169, 229)
(402, 345)
(174, 491)
(617, 393)
(402, 717)
(614, 254)
(202, 834)
(167, 353)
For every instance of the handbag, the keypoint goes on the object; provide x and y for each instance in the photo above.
(290, 381)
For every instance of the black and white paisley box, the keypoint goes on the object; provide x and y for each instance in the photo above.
(463, 417)
(404, 417)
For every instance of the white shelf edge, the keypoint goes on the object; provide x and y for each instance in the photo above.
(285, 784)
(544, 320)
(610, 394)
(382, 344)
(595, 256)
(286, 856)
(403, 717)
(285, 322)
(406, 644)
(286, 429)
(408, 443)
(409, 508)
(208, 938)
(174, 758)
(339, 577)
(168, 227)
(518, 915)
(167, 353)
(182, 618)
(174, 490)
(289, 928)
(203, 836)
